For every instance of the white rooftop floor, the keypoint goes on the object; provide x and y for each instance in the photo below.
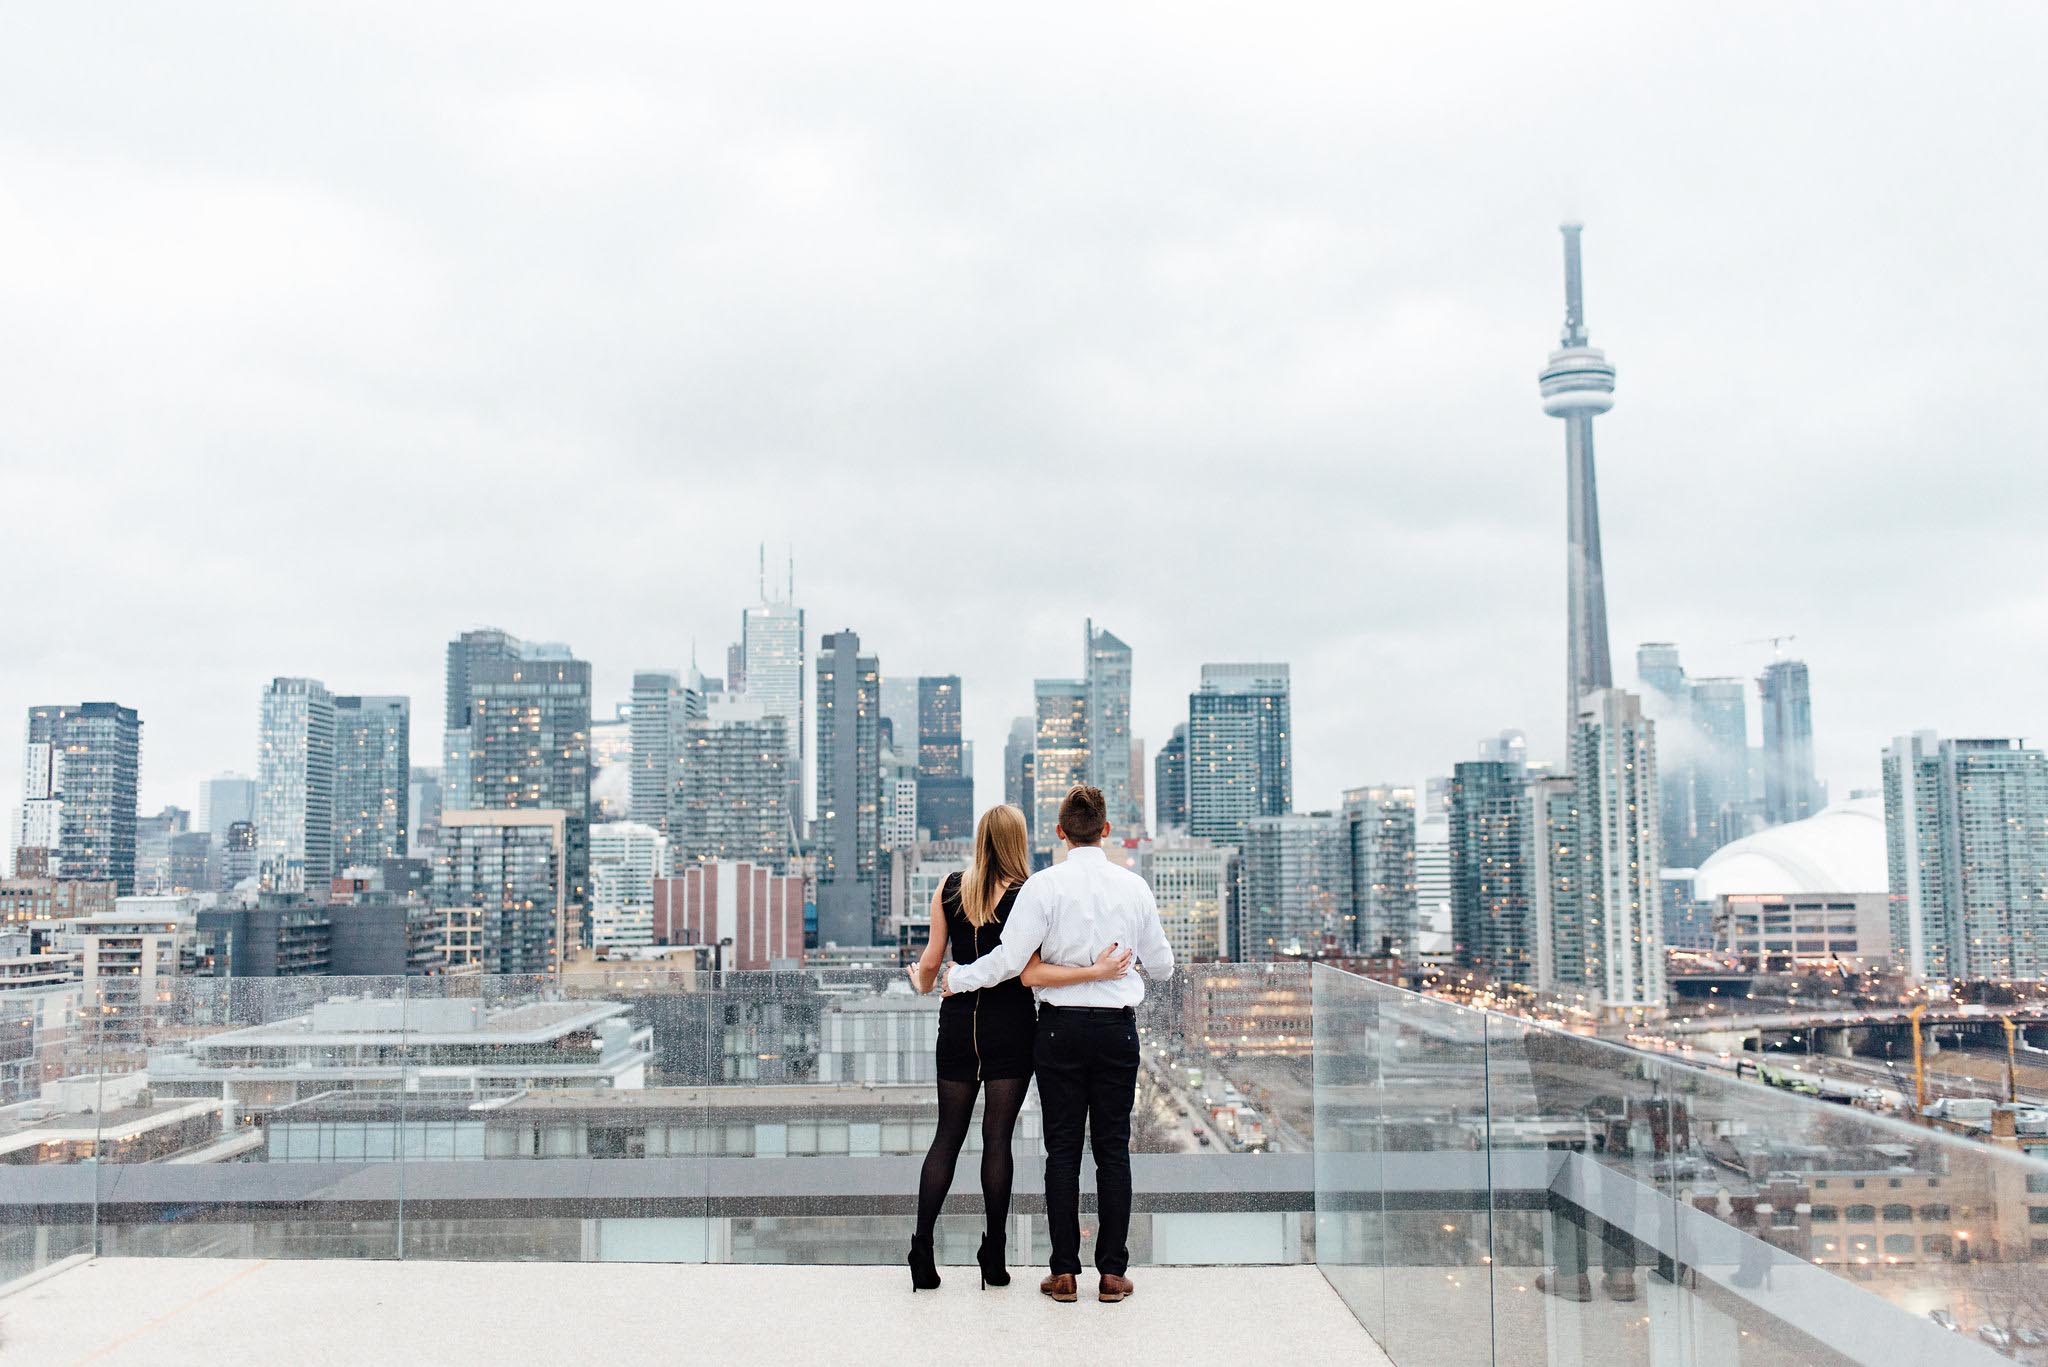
(170, 1311)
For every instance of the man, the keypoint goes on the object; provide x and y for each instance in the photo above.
(1086, 1053)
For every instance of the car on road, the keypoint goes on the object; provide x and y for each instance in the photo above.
(1945, 1320)
(1994, 1336)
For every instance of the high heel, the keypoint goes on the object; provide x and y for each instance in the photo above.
(990, 1256)
(924, 1272)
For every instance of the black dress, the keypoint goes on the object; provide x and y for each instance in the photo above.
(988, 1034)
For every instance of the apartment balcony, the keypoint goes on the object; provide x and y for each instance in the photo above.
(1327, 1168)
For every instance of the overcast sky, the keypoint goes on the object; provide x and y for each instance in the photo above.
(326, 333)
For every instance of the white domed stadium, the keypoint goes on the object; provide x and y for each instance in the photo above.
(1838, 849)
(1807, 893)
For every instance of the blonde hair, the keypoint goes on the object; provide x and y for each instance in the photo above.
(1002, 859)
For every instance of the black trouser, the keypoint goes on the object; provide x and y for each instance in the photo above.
(1087, 1063)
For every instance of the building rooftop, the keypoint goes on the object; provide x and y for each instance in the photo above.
(166, 1312)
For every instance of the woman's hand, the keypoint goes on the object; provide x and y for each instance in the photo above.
(1113, 962)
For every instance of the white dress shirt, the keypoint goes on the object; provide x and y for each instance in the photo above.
(1068, 914)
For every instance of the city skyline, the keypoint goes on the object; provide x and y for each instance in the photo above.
(1311, 314)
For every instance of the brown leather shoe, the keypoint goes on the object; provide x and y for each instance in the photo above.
(1619, 1286)
(1114, 1288)
(1060, 1286)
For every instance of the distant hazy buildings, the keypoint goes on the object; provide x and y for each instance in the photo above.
(295, 786)
(1791, 789)
(1240, 749)
(945, 790)
(1020, 765)
(1170, 782)
(1381, 913)
(1720, 766)
(82, 769)
(1966, 838)
(372, 780)
(223, 800)
(848, 827)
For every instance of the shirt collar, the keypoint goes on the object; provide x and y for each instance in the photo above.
(1084, 852)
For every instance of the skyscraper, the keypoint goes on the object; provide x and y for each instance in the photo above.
(664, 705)
(1019, 764)
(528, 748)
(1381, 911)
(1240, 749)
(1297, 882)
(1578, 385)
(465, 652)
(372, 780)
(295, 787)
(899, 711)
(1966, 839)
(736, 787)
(772, 664)
(1059, 755)
(1667, 700)
(224, 800)
(945, 789)
(1618, 913)
(1108, 676)
(1791, 789)
(1170, 782)
(78, 814)
(848, 829)
(511, 869)
(1720, 796)
(1493, 903)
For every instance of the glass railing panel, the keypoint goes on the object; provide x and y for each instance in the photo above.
(550, 1118)
(51, 1043)
(1803, 1220)
(1583, 1156)
(1439, 1225)
(204, 1153)
(1350, 1130)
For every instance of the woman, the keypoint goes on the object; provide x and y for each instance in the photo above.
(985, 1037)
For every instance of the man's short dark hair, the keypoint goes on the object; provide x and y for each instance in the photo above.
(1083, 815)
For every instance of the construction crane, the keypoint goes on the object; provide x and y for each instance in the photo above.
(1919, 1061)
(1776, 643)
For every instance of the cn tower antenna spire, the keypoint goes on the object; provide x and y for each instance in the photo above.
(1574, 289)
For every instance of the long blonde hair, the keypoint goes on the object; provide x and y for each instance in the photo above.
(1002, 859)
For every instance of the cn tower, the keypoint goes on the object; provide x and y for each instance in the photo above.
(1577, 386)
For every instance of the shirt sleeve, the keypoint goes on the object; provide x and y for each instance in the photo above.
(1023, 932)
(1155, 955)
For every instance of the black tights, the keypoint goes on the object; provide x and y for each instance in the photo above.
(998, 1120)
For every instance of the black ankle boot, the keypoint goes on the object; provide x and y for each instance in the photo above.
(990, 1256)
(924, 1272)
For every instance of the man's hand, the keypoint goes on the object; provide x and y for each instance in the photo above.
(1113, 962)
